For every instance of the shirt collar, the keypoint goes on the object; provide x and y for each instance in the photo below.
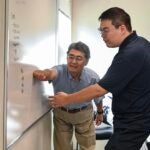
(80, 78)
(127, 40)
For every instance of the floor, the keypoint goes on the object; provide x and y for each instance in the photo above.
(100, 144)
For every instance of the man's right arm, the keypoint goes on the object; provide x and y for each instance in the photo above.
(86, 94)
(45, 75)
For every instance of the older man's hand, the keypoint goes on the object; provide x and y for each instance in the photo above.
(58, 100)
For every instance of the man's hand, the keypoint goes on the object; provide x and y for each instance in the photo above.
(98, 119)
(58, 100)
(39, 74)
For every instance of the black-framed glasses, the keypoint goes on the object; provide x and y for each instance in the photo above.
(103, 31)
(73, 57)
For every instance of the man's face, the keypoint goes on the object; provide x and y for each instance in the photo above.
(76, 61)
(111, 36)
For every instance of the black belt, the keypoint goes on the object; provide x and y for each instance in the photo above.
(75, 110)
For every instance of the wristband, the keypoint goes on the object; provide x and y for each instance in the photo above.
(100, 112)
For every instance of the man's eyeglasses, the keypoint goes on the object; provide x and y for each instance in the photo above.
(72, 57)
(103, 31)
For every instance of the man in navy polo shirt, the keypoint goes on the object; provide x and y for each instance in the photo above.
(128, 79)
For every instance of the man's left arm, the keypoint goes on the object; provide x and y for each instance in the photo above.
(99, 113)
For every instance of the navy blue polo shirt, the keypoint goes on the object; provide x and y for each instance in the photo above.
(128, 79)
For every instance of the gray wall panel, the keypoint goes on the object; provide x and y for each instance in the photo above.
(37, 138)
(32, 40)
(2, 72)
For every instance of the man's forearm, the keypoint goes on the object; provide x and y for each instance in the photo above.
(87, 94)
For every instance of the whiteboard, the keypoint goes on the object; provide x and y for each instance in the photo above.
(31, 46)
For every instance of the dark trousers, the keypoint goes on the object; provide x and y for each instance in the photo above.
(126, 139)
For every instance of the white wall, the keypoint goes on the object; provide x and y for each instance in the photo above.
(85, 23)
(65, 6)
(64, 29)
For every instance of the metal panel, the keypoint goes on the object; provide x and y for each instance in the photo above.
(2, 73)
(36, 137)
(32, 30)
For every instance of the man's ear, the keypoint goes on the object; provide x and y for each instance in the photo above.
(86, 62)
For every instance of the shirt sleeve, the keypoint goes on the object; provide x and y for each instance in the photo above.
(99, 100)
(123, 69)
(96, 79)
(60, 70)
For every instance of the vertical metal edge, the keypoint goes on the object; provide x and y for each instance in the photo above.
(6, 57)
(2, 74)
(6, 62)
